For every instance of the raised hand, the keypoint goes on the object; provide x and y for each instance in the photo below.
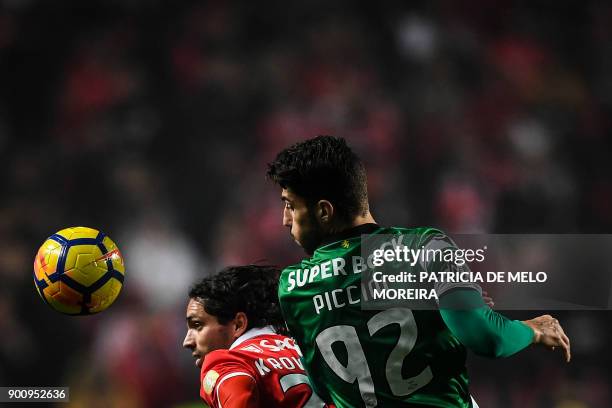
(549, 333)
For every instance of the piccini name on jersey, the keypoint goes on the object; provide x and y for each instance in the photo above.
(351, 295)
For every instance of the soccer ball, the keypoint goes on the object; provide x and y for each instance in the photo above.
(79, 271)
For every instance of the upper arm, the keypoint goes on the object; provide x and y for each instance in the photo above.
(237, 390)
(440, 243)
(227, 381)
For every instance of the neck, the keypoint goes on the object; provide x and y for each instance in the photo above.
(359, 225)
(362, 219)
(357, 221)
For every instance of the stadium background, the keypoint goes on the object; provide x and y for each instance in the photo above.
(153, 121)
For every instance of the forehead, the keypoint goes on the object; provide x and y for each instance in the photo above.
(195, 308)
(287, 194)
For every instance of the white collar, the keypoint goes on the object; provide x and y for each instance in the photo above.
(249, 334)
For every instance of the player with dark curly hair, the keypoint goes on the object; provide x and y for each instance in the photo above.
(233, 330)
(391, 358)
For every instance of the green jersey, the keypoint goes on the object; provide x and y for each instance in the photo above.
(359, 358)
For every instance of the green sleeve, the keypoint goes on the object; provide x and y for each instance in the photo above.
(479, 328)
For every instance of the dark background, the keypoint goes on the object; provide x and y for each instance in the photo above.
(153, 121)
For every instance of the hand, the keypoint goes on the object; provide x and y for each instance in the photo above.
(487, 299)
(549, 333)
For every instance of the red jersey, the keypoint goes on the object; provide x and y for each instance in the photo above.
(261, 369)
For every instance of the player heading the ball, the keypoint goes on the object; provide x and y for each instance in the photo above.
(391, 358)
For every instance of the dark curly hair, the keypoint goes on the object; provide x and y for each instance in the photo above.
(323, 168)
(251, 289)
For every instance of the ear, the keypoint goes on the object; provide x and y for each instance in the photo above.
(325, 211)
(240, 324)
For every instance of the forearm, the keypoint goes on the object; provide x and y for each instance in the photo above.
(481, 329)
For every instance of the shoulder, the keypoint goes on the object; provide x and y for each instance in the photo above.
(265, 344)
(220, 366)
(420, 235)
(421, 231)
(290, 268)
(224, 360)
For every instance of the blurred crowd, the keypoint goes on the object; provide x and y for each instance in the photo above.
(154, 121)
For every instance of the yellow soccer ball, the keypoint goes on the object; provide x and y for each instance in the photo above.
(79, 271)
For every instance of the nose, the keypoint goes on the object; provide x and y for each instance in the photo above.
(188, 342)
(286, 218)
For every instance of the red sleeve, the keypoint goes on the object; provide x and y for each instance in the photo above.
(238, 392)
(227, 379)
